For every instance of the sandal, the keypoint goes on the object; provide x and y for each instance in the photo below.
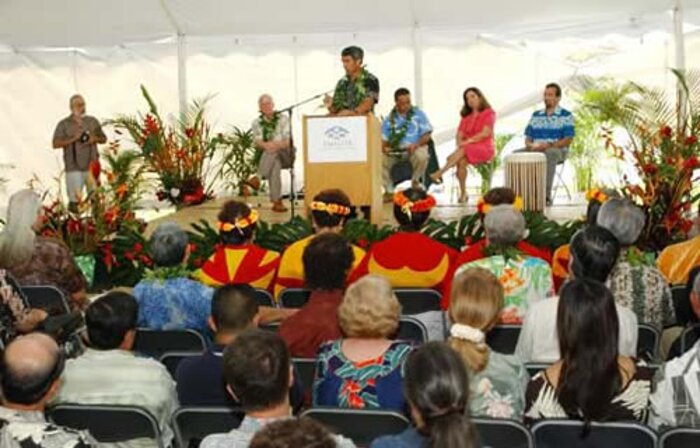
(437, 180)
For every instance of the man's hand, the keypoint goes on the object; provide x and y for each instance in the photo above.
(541, 146)
(412, 148)
(328, 101)
(346, 113)
(31, 320)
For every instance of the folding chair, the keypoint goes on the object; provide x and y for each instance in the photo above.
(503, 338)
(411, 329)
(416, 301)
(533, 368)
(47, 298)
(306, 369)
(501, 433)
(294, 297)
(681, 303)
(648, 338)
(192, 424)
(264, 298)
(680, 438)
(559, 180)
(361, 426)
(689, 337)
(108, 424)
(155, 343)
(172, 359)
(568, 433)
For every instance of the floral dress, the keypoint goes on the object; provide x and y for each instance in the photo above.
(498, 391)
(372, 384)
(525, 280)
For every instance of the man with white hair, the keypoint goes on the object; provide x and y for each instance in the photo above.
(271, 134)
(676, 401)
(78, 135)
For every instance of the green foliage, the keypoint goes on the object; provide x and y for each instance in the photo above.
(487, 170)
(278, 236)
(240, 157)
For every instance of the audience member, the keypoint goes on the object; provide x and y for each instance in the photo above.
(364, 370)
(497, 381)
(293, 433)
(168, 299)
(15, 317)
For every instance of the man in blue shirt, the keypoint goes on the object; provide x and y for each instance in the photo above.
(405, 136)
(550, 131)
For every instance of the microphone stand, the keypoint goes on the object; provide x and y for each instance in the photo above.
(290, 110)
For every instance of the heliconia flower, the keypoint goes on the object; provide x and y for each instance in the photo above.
(189, 132)
(666, 132)
(691, 163)
(691, 140)
(150, 125)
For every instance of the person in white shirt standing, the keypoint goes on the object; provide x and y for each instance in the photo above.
(110, 374)
(594, 252)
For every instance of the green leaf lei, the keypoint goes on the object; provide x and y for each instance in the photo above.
(507, 252)
(162, 274)
(340, 97)
(269, 126)
(397, 134)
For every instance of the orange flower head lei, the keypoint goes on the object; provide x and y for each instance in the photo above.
(331, 209)
(241, 223)
(409, 207)
(482, 207)
(596, 195)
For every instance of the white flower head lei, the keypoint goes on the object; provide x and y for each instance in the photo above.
(467, 333)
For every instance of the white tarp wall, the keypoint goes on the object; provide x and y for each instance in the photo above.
(235, 50)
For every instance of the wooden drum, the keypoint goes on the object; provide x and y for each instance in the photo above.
(526, 174)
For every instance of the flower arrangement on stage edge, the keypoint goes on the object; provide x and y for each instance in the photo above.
(180, 154)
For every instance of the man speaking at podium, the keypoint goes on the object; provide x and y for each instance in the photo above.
(358, 91)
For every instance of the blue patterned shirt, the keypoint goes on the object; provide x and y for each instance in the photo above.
(418, 127)
(544, 128)
(173, 304)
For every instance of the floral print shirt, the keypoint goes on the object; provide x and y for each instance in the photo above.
(29, 429)
(525, 280)
(372, 384)
(498, 391)
(173, 304)
(12, 308)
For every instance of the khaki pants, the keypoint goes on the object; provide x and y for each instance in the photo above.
(270, 168)
(419, 163)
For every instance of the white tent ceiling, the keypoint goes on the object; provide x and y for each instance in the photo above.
(76, 23)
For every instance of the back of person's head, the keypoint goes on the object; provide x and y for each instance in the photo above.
(237, 223)
(623, 218)
(257, 370)
(437, 388)
(412, 208)
(168, 245)
(111, 320)
(293, 433)
(17, 238)
(504, 225)
(588, 329)
(596, 198)
(327, 262)
(594, 252)
(369, 309)
(233, 308)
(500, 196)
(330, 209)
(31, 368)
(475, 304)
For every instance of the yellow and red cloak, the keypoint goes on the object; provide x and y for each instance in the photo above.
(246, 263)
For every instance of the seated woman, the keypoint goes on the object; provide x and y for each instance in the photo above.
(364, 370)
(497, 381)
(37, 260)
(562, 256)
(327, 262)
(592, 381)
(437, 392)
(168, 299)
(635, 282)
(475, 143)
(409, 258)
(237, 259)
(15, 317)
(525, 279)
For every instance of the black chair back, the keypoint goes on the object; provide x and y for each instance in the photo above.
(689, 337)
(306, 369)
(294, 297)
(680, 295)
(172, 359)
(47, 298)
(192, 424)
(533, 368)
(361, 426)
(264, 298)
(411, 329)
(499, 433)
(416, 301)
(108, 424)
(503, 338)
(568, 433)
(680, 438)
(648, 339)
(155, 343)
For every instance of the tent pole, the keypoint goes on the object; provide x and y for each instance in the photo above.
(182, 74)
(417, 66)
(679, 42)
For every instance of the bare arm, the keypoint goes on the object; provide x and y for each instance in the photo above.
(62, 143)
(268, 314)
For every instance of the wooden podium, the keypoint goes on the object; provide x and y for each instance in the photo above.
(345, 153)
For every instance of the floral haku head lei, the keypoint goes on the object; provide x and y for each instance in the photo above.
(331, 209)
(482, 207)
(596, 195)
(241, 223)
(409, 207)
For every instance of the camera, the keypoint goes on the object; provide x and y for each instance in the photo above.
(84, 137)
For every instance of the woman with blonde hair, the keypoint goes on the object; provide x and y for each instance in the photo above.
(498, 381)
(36, 260)
(364, 370)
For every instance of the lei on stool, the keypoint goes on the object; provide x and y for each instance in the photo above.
(241, 223)
(482, 207)
(331, 209)
(409, 207)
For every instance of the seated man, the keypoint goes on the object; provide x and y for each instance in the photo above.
(200, 380)
(405, 136)
(109, 373)
(594, 252)
(31, 372)
(258, 374)
(329, 211)
(167, 298)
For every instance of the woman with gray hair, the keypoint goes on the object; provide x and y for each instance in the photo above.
(35, 260)
(525, 279)
(168, 298)
(635, 282)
